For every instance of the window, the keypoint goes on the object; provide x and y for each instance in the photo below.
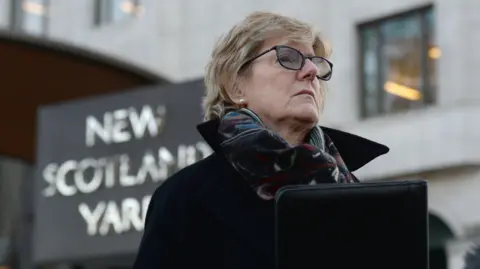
(111, 11)
(30, 16)
(398, 58)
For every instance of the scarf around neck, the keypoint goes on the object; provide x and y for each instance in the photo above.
(268, 162)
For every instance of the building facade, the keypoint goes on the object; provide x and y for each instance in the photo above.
(404, 74)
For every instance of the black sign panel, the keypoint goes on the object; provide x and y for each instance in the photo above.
(100, 159)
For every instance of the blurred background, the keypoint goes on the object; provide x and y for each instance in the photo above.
(405, 74)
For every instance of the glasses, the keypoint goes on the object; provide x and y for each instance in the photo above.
(292, 59)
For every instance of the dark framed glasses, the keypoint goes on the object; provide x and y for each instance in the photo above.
(292, 59)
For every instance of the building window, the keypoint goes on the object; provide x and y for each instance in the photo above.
(398, 59)
(30, 16)
(111, 11)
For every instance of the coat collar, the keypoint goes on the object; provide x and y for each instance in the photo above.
(356, 151)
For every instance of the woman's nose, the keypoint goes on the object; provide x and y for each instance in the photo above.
(308, 71)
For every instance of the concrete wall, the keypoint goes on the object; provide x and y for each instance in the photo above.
(172, 38)
(432, 138)
(453, 195)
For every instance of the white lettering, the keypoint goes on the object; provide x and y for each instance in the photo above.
(94, 127)
(117, 218)
(165, 161)
(49, 176)
(132, 214)
(145, 205)
(119, 132)
(110, 174)
(204, 149)
(111, 217)
(62, 187)
(126, 180)
(90, 174)
(149, 168)
(92, 217)
(186, 156)
(122, 125)
(146, 120)
(96, 180)
(189, 154)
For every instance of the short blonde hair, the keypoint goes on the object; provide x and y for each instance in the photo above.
(242, 43)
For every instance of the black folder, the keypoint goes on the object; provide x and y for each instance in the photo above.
(345, 226)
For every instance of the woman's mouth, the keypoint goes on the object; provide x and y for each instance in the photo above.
(306, 92)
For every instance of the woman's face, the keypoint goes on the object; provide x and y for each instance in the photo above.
(279, 95)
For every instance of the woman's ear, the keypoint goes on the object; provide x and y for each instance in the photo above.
(237, 94)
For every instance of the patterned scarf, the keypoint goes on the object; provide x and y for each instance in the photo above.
(268, 162)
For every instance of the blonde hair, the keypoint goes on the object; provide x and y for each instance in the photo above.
(242, 43)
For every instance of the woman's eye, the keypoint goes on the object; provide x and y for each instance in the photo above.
(285, 58)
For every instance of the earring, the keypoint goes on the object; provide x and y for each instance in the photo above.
(242, 103)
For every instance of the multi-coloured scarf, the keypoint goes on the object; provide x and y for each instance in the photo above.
(268, 162)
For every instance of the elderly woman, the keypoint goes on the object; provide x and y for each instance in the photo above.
(265, 91)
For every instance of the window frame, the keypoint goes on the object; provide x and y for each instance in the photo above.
(103, 10)
(428, 95)
(18, 14)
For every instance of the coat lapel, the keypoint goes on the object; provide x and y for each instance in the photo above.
(356, 151)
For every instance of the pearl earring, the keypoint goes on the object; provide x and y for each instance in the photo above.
(242, 101)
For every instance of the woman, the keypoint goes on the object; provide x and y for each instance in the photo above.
(264, 97)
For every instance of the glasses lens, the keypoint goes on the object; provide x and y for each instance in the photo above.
(324, 68)
(289, 58)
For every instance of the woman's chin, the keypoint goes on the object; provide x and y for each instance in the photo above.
(307, 113)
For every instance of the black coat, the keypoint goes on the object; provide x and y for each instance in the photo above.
(206, 216)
